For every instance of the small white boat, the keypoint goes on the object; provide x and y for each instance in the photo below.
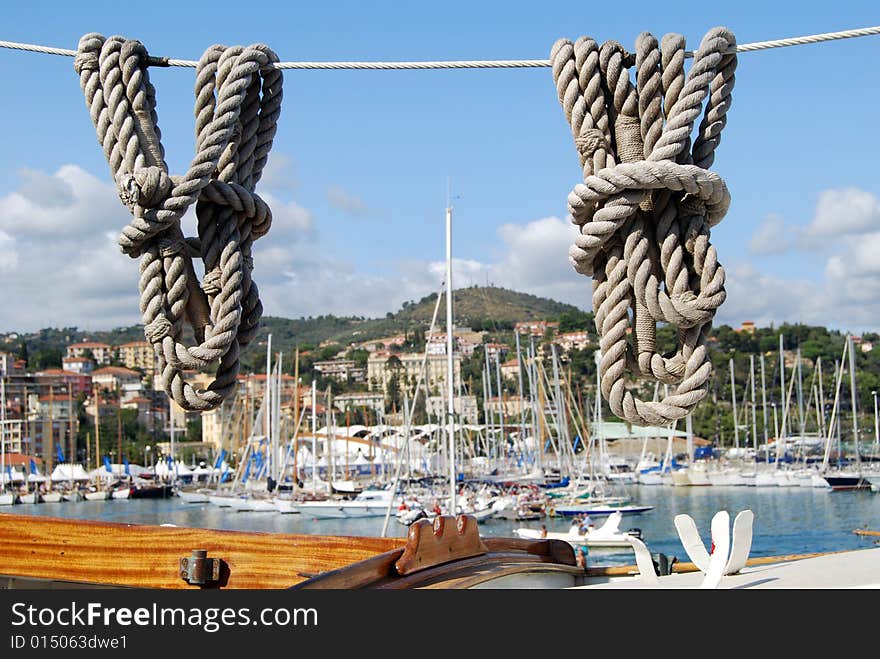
(369, 503)
(52, 497)
(30, 497)
(599, 510)
(263, 505)
(72, 495)
(607, 535)
(120, 493)
(97, 495)
(8, 498)
(194, 496)
(285, 506)
(222, 500)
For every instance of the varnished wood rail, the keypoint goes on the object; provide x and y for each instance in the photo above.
(140, 556)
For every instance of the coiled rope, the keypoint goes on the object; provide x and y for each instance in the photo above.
(238, 101)
(646, 206)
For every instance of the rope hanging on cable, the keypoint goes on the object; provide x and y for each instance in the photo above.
(238, 101)
(646, 206)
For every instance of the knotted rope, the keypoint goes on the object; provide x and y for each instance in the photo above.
(646, 206)
(238, 101)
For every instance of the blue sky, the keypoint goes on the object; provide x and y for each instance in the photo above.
(358, 174)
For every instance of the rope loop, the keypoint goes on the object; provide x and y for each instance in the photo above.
(238, 102)
(646, 205)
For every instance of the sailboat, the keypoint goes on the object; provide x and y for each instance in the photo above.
(849, 478)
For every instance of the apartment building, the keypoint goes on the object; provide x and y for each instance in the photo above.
(102, 353)
(138, 355)
(381, 367)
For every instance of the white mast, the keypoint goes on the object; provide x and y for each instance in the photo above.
(764, 405)
(276, 440)
(173, 474)
(314, 440)
(733, 398)
(754, 404)
(267, 403)
(780, 442)
(853, 396)
(3, 433)
(450, 412)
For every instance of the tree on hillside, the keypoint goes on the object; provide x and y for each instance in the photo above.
(575, 321)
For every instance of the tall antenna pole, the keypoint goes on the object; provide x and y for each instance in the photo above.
(450, 393)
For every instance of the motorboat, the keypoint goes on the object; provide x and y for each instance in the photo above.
(607, 535)
(599, 510)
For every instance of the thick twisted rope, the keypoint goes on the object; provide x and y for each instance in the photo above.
(647, 204)
(238, 101)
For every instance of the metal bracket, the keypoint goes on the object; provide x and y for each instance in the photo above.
(198, 569)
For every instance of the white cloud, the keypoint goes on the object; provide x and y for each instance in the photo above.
(70, 202)
(278, 174)
(8, 255)
(61, 265)
(290, 221)
(774, 237)
(343, 200)
(843, 212)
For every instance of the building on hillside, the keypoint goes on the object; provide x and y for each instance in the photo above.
(467, 347)
(383, 344)
(510, 370)
(60, 381)
(113, 378)
(747, 327)
(14, 437)
(511, 407)
(51, 426)
(341, 370)
(101, 352)
(379, 372)
(496, 351)
(464, 406)
(537, 328)
(573, 340)
(82, 365)
(369, 400)
(7, 360)
(138, 355)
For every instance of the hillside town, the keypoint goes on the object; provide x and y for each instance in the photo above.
(103, 402)
(105, 399)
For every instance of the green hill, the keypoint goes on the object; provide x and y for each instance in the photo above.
(481, 308)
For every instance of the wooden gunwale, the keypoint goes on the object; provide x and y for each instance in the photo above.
(143, 556)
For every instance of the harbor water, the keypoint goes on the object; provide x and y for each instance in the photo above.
(788, 520)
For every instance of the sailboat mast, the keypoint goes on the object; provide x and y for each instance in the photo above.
(780, 445)
(821, 397)
(314, 439)
(267, 420)
(3, 432)
(764, 400)
(854, 396)
(754, 419)
(450, 393)
(733, 399)
(522, 400)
